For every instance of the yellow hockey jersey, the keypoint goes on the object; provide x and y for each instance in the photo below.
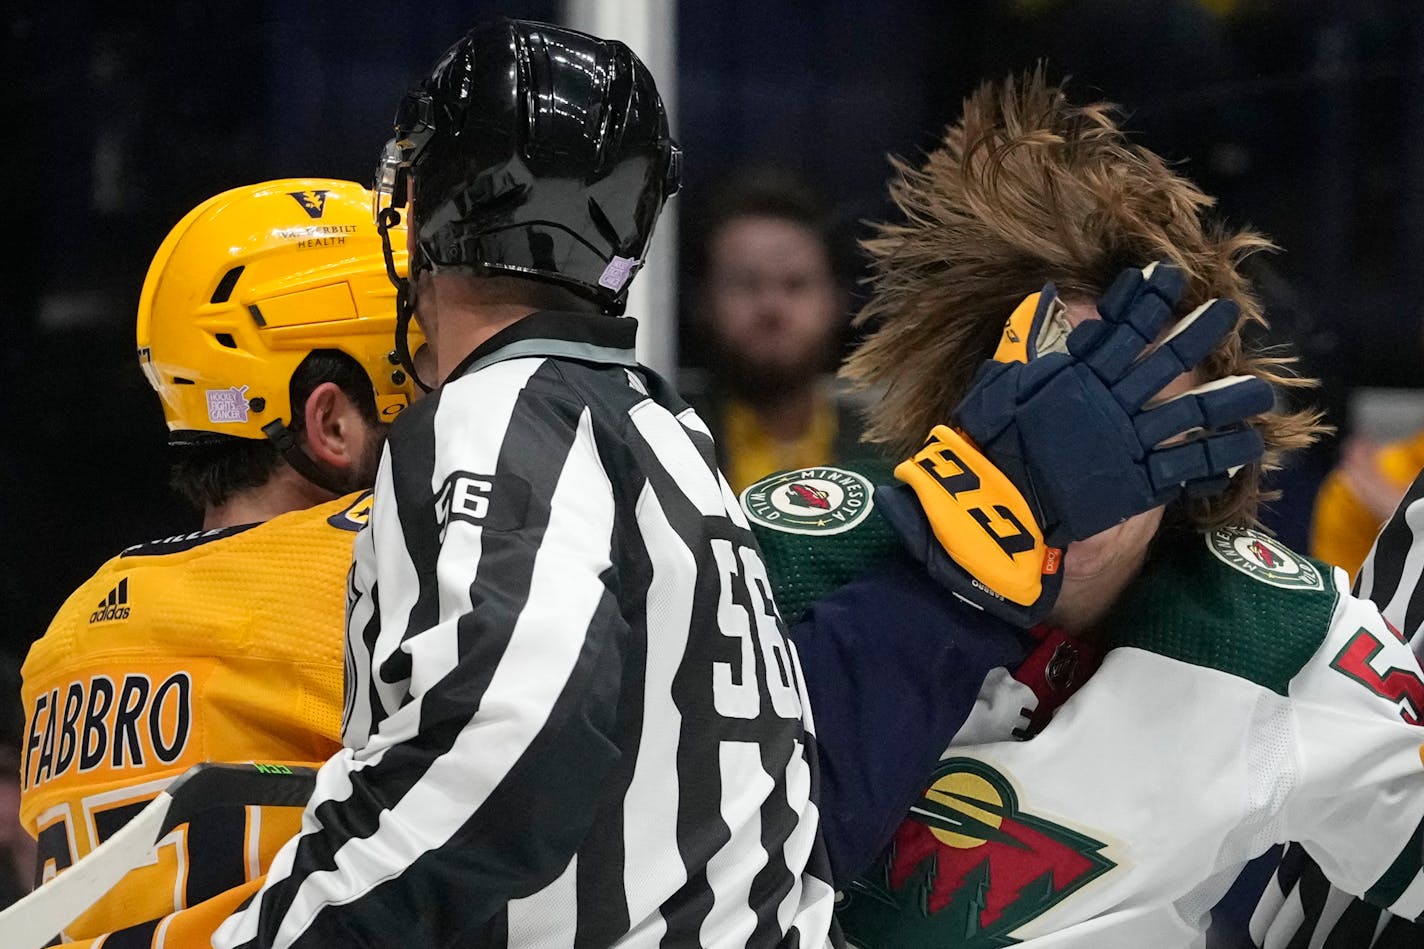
(1342, 527)
(220, 645)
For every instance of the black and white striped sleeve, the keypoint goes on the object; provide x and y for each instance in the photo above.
(1390, 575)
(1300, 907)
(484, 663)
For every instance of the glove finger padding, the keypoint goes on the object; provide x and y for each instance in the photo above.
(1122, 301)
(1200, 461)
(1134, 311)
(1219, 404)
(1072, 424)
(1188, 343)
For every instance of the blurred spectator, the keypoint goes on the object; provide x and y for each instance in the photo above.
(772, 314)
(17, 850)
(1359, 494)
(1297, 331)
(1380, 451)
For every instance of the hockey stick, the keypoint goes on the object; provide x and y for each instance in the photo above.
(35, 920)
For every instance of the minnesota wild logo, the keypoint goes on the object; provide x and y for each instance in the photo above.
(1264, 558)
(967, 867)
(819, 500)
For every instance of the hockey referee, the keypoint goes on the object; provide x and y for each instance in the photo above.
(572, 717)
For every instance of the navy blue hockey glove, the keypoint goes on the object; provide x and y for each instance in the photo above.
(1071, 422)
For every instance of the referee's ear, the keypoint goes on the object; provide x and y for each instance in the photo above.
(334, 429)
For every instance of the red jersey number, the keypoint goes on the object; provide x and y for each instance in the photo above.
(1401, 686)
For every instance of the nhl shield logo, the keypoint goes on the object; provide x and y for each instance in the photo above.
(1268, 560)
(820, 500)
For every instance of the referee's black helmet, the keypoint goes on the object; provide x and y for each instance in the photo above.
(534, 150)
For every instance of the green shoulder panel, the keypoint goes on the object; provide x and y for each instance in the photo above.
(818, 529)
(1234, 600)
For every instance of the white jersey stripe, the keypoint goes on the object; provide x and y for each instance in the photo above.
(730, 871)
(534, 920)
(1336, 902)
(360, 611)
(1411, 902)
(650, 805)
(478, 432)
(389, 559)
(802, 839)
(1275, 927)
(1398, 606)
(679, 458)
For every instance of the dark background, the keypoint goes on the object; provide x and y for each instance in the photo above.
(1303, 117)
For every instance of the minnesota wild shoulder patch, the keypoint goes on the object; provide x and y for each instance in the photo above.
(818, 500)
(1263, 558)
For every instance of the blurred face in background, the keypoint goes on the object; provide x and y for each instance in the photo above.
(17, 848)
(774, 309)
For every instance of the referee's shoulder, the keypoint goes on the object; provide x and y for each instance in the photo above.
(469, 391)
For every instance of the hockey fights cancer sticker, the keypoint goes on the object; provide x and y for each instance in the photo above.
(820, 500)
(227, 405)
(1257, 555)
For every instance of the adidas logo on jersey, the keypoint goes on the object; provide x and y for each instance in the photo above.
(115, 606)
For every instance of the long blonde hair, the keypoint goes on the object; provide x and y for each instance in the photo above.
(1026, 188)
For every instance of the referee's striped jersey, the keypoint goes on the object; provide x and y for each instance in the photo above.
(572, 716)
(1300, 908)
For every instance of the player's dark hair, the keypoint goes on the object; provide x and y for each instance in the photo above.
(210, 472)
(780, 194)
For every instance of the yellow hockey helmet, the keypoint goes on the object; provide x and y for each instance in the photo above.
(249, 283)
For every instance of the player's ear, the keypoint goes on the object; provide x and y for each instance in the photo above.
(333, 427)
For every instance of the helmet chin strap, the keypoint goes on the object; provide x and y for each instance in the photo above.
(287, 444)
(405, 294)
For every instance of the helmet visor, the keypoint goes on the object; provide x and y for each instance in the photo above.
(388, 188)
(413, 129)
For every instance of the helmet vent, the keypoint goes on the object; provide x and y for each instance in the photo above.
(256, 315)
(225, 285)
(180, 381)
(225, 339)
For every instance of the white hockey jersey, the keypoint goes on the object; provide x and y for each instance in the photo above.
(1247, 699)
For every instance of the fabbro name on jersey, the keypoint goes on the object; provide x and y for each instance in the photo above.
(98, 722)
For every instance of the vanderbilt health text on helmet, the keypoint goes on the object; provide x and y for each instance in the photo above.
(248, 284)
(537, 150)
